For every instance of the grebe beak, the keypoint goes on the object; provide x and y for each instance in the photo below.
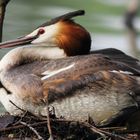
(17, 42)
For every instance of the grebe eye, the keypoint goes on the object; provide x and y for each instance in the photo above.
(41, 31)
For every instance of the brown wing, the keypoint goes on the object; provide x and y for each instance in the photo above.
(63, 88)
(119, 56)
(87, 64)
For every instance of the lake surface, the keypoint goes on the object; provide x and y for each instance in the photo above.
(103, 20)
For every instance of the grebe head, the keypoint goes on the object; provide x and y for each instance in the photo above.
(61, 32)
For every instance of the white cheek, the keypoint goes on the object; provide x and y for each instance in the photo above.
(44, 38)
(49, 35)
(33, 33)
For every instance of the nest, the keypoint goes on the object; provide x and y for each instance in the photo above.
(28, 126)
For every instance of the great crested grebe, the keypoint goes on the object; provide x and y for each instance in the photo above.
(78, 87)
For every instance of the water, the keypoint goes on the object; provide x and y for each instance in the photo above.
(103, 20)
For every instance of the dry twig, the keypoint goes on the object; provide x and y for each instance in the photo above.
(48, 123)
(31, 128)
